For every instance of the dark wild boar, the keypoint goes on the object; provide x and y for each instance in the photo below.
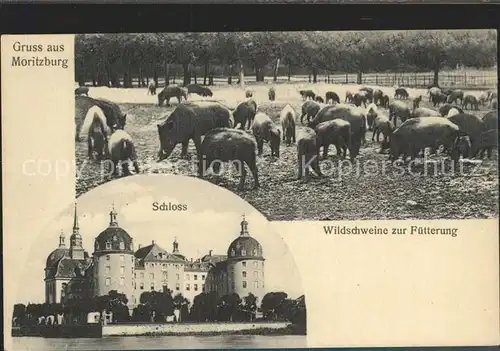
(152, 87)
(287, 119)
(331, 97)
(443, 110)
(309, 109)
(401, 93)
(199, 90)
(469, 125)
(244, 114)
(354, 115)
(399, 109)
(490, 120)
(97, 137)
(336, 132)
(172, 91)
(454, 96)
(383, 125)
(306, 94)
(190, 121)
(82, 91)
(472, 101)
(307, 153)
(418, 133)
(272, 94)
(228, 145)
(264, 129)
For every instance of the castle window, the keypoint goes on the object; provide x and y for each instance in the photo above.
(151, 276)
(203, 288)
(164, 266)
(244, 284)
(232, 285)
(141, 286)
(122, 281)
(244, 274)
(107, 257)
(188, 287)
(187, 276)
(255, 252)
(256, 284)
(152, 265)
(165, 275)
(142, 275)
(108, 281)
(243, 252)
(132, 259)
(244, 264)
(122, 258)
(132, 271)
(115, 238)
(255, 274)
(232, 252)
(203, 277)
(135, 286)
(196, 277)
(177, 287)
(107, 269)
(178, 276)
(122, 269)
(122, 245)
(196, 287)
(152, 286)
(108, 245)
(256, 264)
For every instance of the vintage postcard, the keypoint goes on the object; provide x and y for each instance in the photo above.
(219, 190)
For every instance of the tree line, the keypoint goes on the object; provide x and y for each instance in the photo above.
(116, 59)
(157, 306)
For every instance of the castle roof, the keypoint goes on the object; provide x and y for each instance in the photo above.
(113, 238)
(67, 268)
(197, 266)
(56, 255)
(244, 246)
(154, 252)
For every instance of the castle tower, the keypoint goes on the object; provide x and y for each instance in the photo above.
(76, 250)
(245, 265)
(114, 261)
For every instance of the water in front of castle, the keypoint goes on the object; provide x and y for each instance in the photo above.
(160, 342)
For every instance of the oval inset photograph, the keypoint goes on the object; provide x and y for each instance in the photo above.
(149, 262)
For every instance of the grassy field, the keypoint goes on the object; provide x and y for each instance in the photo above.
(372, 188)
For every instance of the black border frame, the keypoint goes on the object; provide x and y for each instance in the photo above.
(54, 19)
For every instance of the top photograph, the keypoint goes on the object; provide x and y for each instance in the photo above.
(312, 125)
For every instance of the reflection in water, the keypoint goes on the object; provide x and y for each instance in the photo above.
(160, 342)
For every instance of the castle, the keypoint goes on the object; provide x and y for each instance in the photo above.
(115, 265)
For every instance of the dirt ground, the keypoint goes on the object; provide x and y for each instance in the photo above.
(371, 188)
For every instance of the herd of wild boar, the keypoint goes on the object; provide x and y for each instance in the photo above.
(229, 135)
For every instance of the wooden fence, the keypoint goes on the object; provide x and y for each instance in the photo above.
(452, 79)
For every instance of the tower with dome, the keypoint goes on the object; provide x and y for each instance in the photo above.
(113, 260)
(66, 265)
(245, 264)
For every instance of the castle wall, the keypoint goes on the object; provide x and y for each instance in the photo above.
(156, 275)
(246, 276)
(114, 271)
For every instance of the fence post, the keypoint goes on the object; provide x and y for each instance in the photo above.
(465, 78)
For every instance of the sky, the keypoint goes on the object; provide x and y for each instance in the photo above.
(211, 222)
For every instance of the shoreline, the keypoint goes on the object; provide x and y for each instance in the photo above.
(167, 329)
